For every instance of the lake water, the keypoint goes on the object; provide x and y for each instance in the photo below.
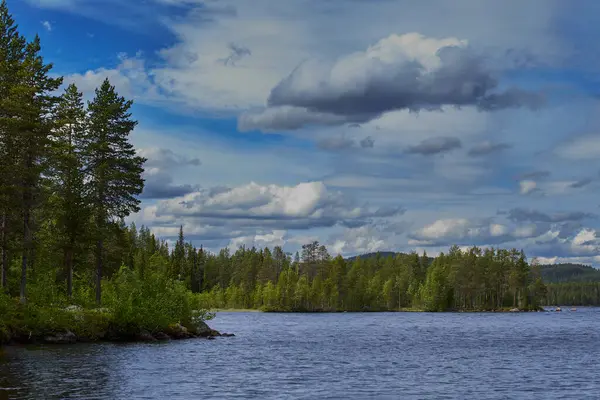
(330, 356)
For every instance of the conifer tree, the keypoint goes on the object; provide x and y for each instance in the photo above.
(35, 103)
(12, 52)
(69, 198)
(113, 171)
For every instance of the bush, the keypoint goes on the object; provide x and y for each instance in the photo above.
(151, 304)
(131, 306)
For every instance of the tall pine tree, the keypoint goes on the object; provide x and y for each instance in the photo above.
(12, 53)
(69, 202)
(113, 171)
(36, 103)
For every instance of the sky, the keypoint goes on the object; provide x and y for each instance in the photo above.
(368, 125)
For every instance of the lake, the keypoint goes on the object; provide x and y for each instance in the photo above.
(330, 356)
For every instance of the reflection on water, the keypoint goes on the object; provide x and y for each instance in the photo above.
(330, 356)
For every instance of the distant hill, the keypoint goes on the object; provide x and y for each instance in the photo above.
(551, 273)
(558, 273)
(382, 254)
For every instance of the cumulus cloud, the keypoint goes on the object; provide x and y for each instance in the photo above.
(47, 25)
(436, 145)
(287, 118)
(534, 175)
(367, 143)
(158, 169)
(463, 231)
(528, 187)
(487, 147)
(530, 215)
(353, 241)
(344, 143)
(237, 53)
(303, 206)
(336, 143)
(165, 158)
(581, 183)
(260, 240)
(130, 78)
(399, 72)
(584, 242)
(582, 148)
(159, 185)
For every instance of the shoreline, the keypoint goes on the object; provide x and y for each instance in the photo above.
(406, 310)
(174, 333)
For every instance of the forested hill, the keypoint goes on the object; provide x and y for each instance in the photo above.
(559, 273)
(382, 254)
(551, 273)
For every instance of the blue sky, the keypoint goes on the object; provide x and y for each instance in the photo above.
(366, 125)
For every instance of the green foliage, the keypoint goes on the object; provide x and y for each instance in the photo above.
(474, 279)
(573, 293)
(150, 304)
(560, 273)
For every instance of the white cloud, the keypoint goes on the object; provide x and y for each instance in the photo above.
(130, 78)
(272, 239)
(399, 72)
(469, 232)
(527, 186)
(582, 148)
(47, 25)
(310, 204)
(162, 158)
(352, 241)
(280, 36)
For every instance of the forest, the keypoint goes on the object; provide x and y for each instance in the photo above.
(69, 178)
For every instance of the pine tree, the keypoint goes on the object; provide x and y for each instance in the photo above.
(179, 256)
(12, 52)
(113, 171)
(70, 206)
(35, 116)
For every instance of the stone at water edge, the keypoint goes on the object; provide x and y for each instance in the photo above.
(146, 337)
(179, 331)
(227, 334)
(161, 336)
(203, 330)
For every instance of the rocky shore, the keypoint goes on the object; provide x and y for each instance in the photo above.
(175, 332)
(97, 326)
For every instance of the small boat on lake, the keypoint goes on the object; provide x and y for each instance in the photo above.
(573, 309)
(557, 309)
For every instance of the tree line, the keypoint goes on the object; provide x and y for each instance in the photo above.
(69, 176)
(313, 280)
(68, 173)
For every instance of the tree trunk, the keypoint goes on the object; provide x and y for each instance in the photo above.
(26, 247)
(69, 268)
(99, 250)
(3, 244)
(195, 273)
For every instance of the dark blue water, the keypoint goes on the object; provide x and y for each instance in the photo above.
(331, 356)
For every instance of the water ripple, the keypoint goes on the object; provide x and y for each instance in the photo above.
(330, 356)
